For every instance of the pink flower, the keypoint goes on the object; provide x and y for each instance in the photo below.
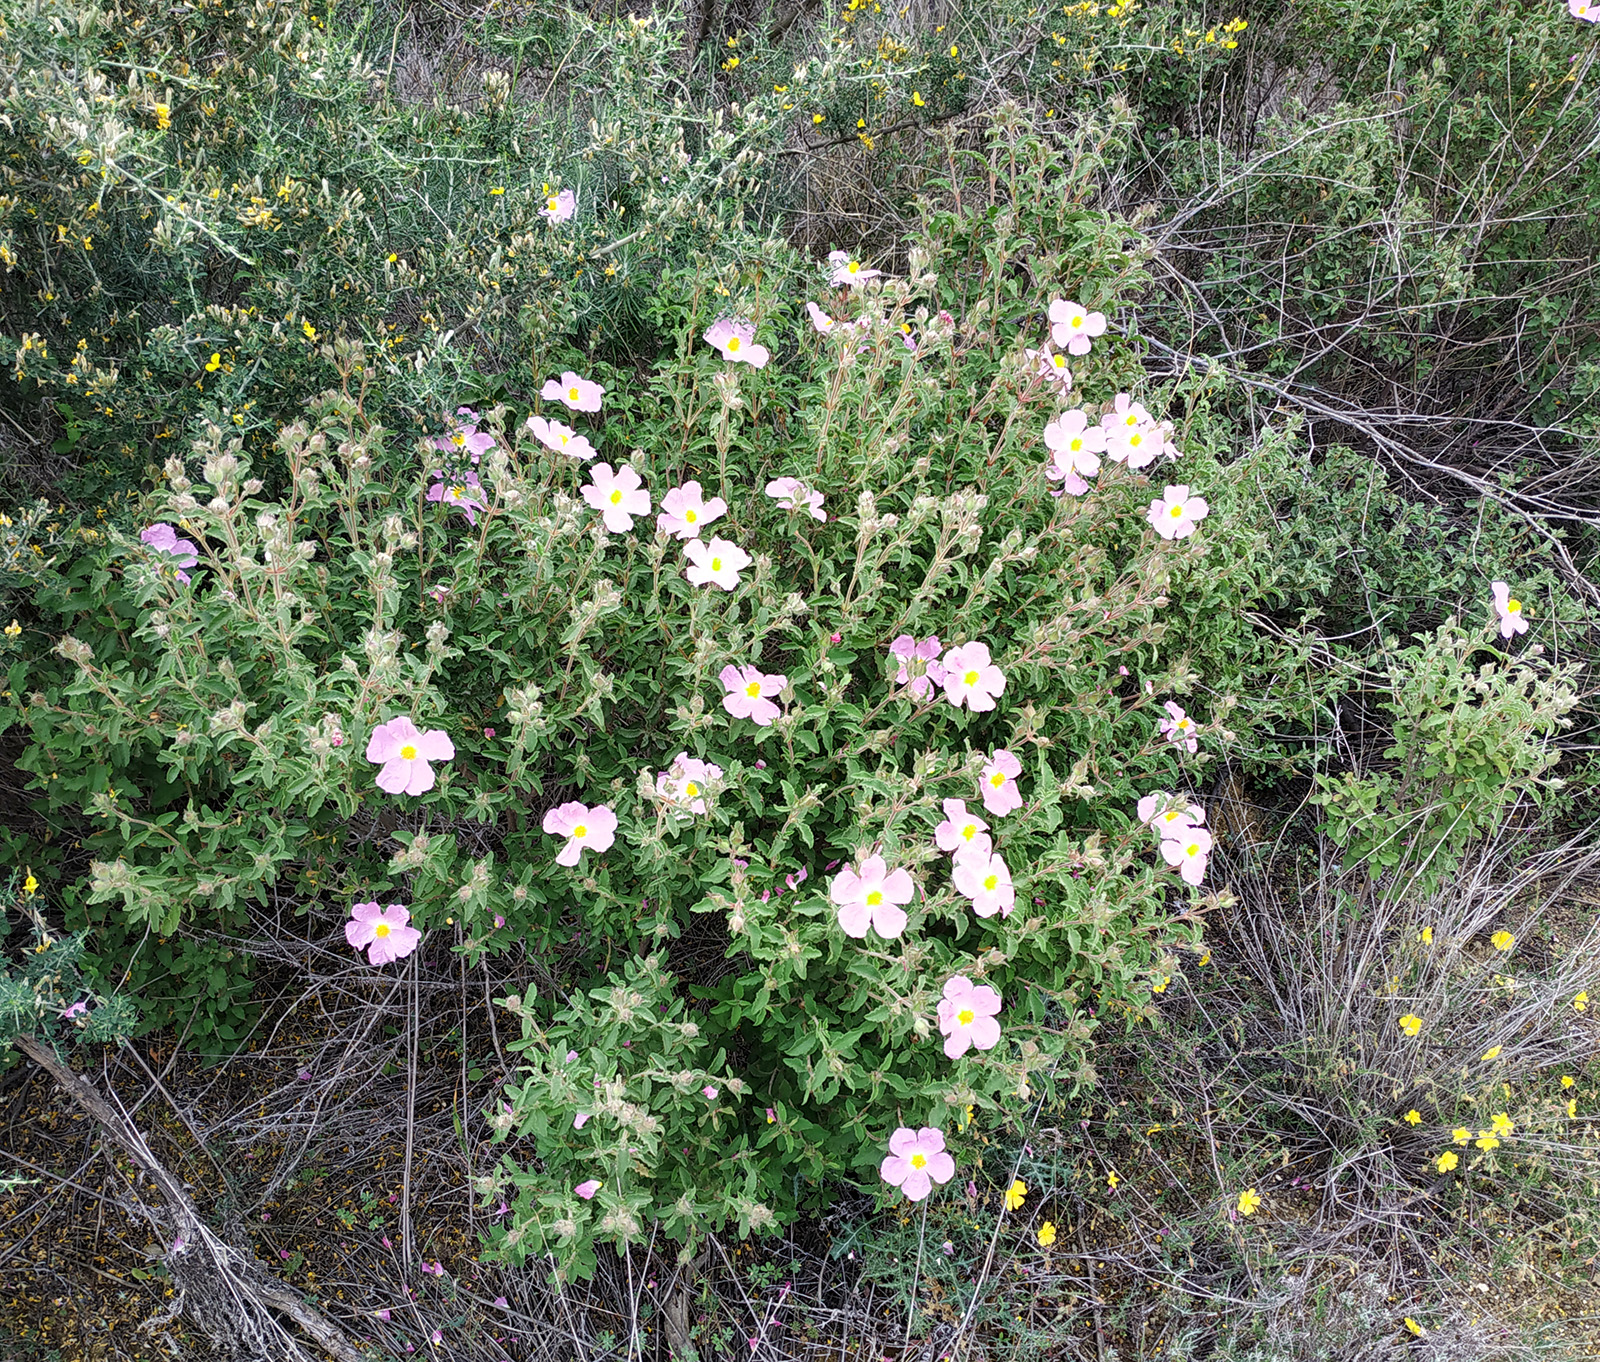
(1179, 728)
(794, 495)
(1189, 853)
(709, 1093)
(464, 436)
(582, 826)
(582, 1119)
(77, 1009)
(772, 1116)
(404, 754)
(1586, 10)
(617, 496)
(434, 1269)
(587, 1189)
(718, 562)
(164, 539)
(1073, 326)
(684, 511)
(872, 898)
(919, 670)
(844, 272)
(685, 782)
(501, 1303)
(385, 1315)
(961, 832)
(820, 319)
(736, 340)
(562, 439)
(460, 493)
(970, 677)
(967, 1016)
(1168, 815)
(1176, 513)
(383, 933)
(436, 1337)
(488, 732)
(559, 207)
(916, 1161)
(987, 882)
(1506, 606)
(1076, 446)
(999, 783)
(747, 691)
(579, 394)
(1052, 366)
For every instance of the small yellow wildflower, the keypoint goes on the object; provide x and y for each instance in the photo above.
(1502, 1123)
(1572, 1109)
(1426, 936)
(30, 886)
(1415, 1328)
(214, 363)
(1015, 1193)
(1413, 1117)
(1581, 1001)
(918, 100)
(13, 629)
(1493, 1052)
(163, 117)
(1447, 1161)
(1411, 1024)
(1112, 1179)
(1460, 1134)
(817, 118)
(1249, 1201)
(1567, 1080)
(1047, 1234)
(1487, 1141)
(310, 331)
(1502, 941)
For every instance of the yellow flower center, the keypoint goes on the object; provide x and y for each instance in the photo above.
(552, 204)
(875, 898)
(1058, 361)
(966, 1016)
(616, 498)
(458, 439)
(716, 565)
(582, 830)
(753, 689)
(573, 394)
(1513, 606)
(564, 439)
(381, 930)
(408, 753)
(971, 678)
(853, 266)
(690, 788)
(990, 882)
(919, 1161)
(969, 832)
(1078, 320)
(1193, 849)
(1077, 444)
(691, 516)
(1177, 514)
(456, 493)
(997, 779)
(733, 342)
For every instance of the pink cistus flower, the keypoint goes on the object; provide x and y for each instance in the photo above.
(967, 1016)
(987, 882)
(844, 272)
(559, 207)
(1179, 728)
(1586, 10)
(872, 898)
(747, 694)
(461, 494)
(1075, 447)
(1168, 814)
(684, 783)
(1507, 608)
(820, 319)
(916, 1160)
(920, 670)
(736, 341)
(587, 1189)
(1175, 513)
(709, 1093)
(963, 833)
(434, 1269)
(1051, 365)
(1073, 327)
(381, 932)
(77, 1009)
(582, 826)
(971, 678)
(685, 511)
(617, 496)
(562, 439)
(794, 495)
(718, 563)
(1188, 854)
(464, 437)
(579, 394)
(404, 754)
(999, 783)
(164, 539)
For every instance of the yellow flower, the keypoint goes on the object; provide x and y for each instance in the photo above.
(1047, 1234)
(1112, 1179)
(1487, 1141)
(918, 100)
(1162, 986)
(966, 1117)
(163, 116)
(1447, 1160)
(311, 331)
(13, 629)
(1426, 936)
(30, 885)
(214, 363)
(1411, 1023)
(1502, 941)
(1502, 1123)
(1580, 1001)
(1572, 1109)
(1249, 1200)
(1415, 1328)
(1567, 1080)
(1015, 1194)
(1414, 1117)
(1460, 1134)
(817, 118)
(1493, 1052)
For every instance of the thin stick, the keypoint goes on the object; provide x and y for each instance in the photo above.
(411, 1121)
(916, 1277)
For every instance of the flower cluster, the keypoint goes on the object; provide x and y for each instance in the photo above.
(1185, 843)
